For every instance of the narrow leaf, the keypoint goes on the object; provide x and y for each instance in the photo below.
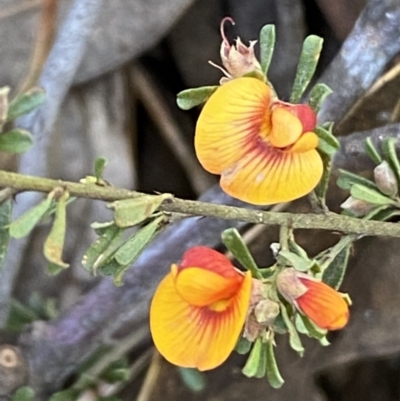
(372, 152)
(369, 195)
(99, 165)
(294, 338)
(334, 273)
(26, 103)
(193, 379)
(318, 95)
(389, 152)
(65, 395)
(19, 316)
(109, 236)
(322, 187)
(243, 346)
(128, 252)
(190, 98)
(305, 70)
(299, 263)
(346, 180)
(129, 212)
(26, 222)
(256, 361)
(234, 242)
(305, 326)
(54, 243)
(327, 136)
(267, 45)
(17, 140)
(274, 377)
(5, 219)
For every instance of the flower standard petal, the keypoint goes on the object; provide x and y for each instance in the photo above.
(268, 175)
(231, 123)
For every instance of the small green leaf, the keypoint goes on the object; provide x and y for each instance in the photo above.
(5, 219)
(190, 98)
(129, 251)
(65, 395)
(369, 195)
(234, 242)
(117, 371)
(334, 272)
(327, 136)
(346, 180)
(256, 362)
(4, 91)
(309, 57)
(129, 212)
(305, 326)
(99, 165)
(193, 379)
(384, 215)
(19, 316)
(26, 222)
(243, 346)
(294, 339)
(110, 235)
(318, 95)
(274, 377)
(26, 103)
(24, 394)
(267, 45)
(322, 187)
(17, 140)
(389, 153)
(54, 243)
(371, 151)
(296, 261)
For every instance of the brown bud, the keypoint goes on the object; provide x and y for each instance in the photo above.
(266, 311)
(356, 206)
(289, 285)
(385, 179)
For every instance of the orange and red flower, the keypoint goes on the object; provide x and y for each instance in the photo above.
(264, 149)
(315, 299)
(199, 309)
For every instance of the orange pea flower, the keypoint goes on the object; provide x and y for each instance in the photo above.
(321, 303)
(264, 149)
(199, 309)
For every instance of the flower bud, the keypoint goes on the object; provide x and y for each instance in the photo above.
(385, 179)
(356, 206)
(266, 311)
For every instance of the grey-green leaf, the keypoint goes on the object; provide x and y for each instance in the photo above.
(24, 394)
(190, 98)
(99, 165)
(309, 57)
(294, 338)
(372, 152)
(267, 45)
(256, 362)
(369, 195)
(26, 222)
(4, 91)
(243, 346)
(17, 140)
(54, 243)
(26, 103)
(346, 180)
(274, 377)
(318, 95)
(5, 219)
(129, 212)
(389, 153)
(234, 242)
(193, 379)
(299, 263)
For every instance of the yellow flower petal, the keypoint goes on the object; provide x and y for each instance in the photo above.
(232, 122)
(196, 337)
(286, 128)
(307, 142)
(201, 287)
(268, 175)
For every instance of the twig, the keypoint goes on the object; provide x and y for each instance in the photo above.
(327, 221)
(151, 378)
(169, 129)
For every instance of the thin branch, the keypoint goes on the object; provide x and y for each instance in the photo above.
(326, 221)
